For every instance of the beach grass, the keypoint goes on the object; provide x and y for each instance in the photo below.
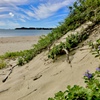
(2, 64)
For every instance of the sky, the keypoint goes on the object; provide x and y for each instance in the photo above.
(33, 13)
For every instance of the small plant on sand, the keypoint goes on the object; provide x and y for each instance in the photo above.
(20, 61)
(56, 50)
(90, 92)
(95, 48)
(2, 64)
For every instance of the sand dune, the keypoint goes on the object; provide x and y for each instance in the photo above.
(41, 78)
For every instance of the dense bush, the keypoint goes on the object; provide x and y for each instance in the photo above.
(71, 41)
(90, 92)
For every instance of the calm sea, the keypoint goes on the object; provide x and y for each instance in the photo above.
(14, 33)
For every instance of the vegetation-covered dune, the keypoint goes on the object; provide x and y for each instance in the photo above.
(74, 40)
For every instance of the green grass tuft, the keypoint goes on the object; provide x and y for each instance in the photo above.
(2, 64)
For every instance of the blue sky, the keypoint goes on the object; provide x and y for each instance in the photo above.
(33, 13)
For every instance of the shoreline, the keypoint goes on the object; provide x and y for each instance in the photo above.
(13, 44)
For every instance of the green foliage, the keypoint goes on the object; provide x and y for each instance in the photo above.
(20, 61)
(2, 64)
(71, 41)
(59, 96)
(82, 11)
(10, 55)
(56, 50)
(23, 56)
(76, 93)
(95, 48)
(90, 92)
(26, 56)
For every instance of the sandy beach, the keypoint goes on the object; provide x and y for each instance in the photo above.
(10, 44)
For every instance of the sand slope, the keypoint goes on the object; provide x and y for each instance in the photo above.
(38, 80)
(41, 78)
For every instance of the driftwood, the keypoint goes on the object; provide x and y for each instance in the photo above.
(67, 57)
(8, 74)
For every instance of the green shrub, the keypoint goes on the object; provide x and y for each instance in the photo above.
(56, 50)
(95, 47)
(20, 61)
(71, 41)
(28, 57)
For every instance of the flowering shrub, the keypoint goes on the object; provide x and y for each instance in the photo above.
(98, 69)
(88, 75)
(90, 92)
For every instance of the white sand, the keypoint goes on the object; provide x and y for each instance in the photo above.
(52, 77)
(10, 44)
(41, 78)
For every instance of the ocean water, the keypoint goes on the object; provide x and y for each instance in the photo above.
(14, 33)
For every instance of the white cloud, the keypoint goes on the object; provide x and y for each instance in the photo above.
(8, 8)
(47, 9)
(16, 2)
(22, 20)
(13, 1)
(12, 24)
(9, 24)
(3, 16)
(11, 14)
(12, 11)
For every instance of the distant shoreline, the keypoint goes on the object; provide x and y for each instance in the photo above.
(33, 28)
